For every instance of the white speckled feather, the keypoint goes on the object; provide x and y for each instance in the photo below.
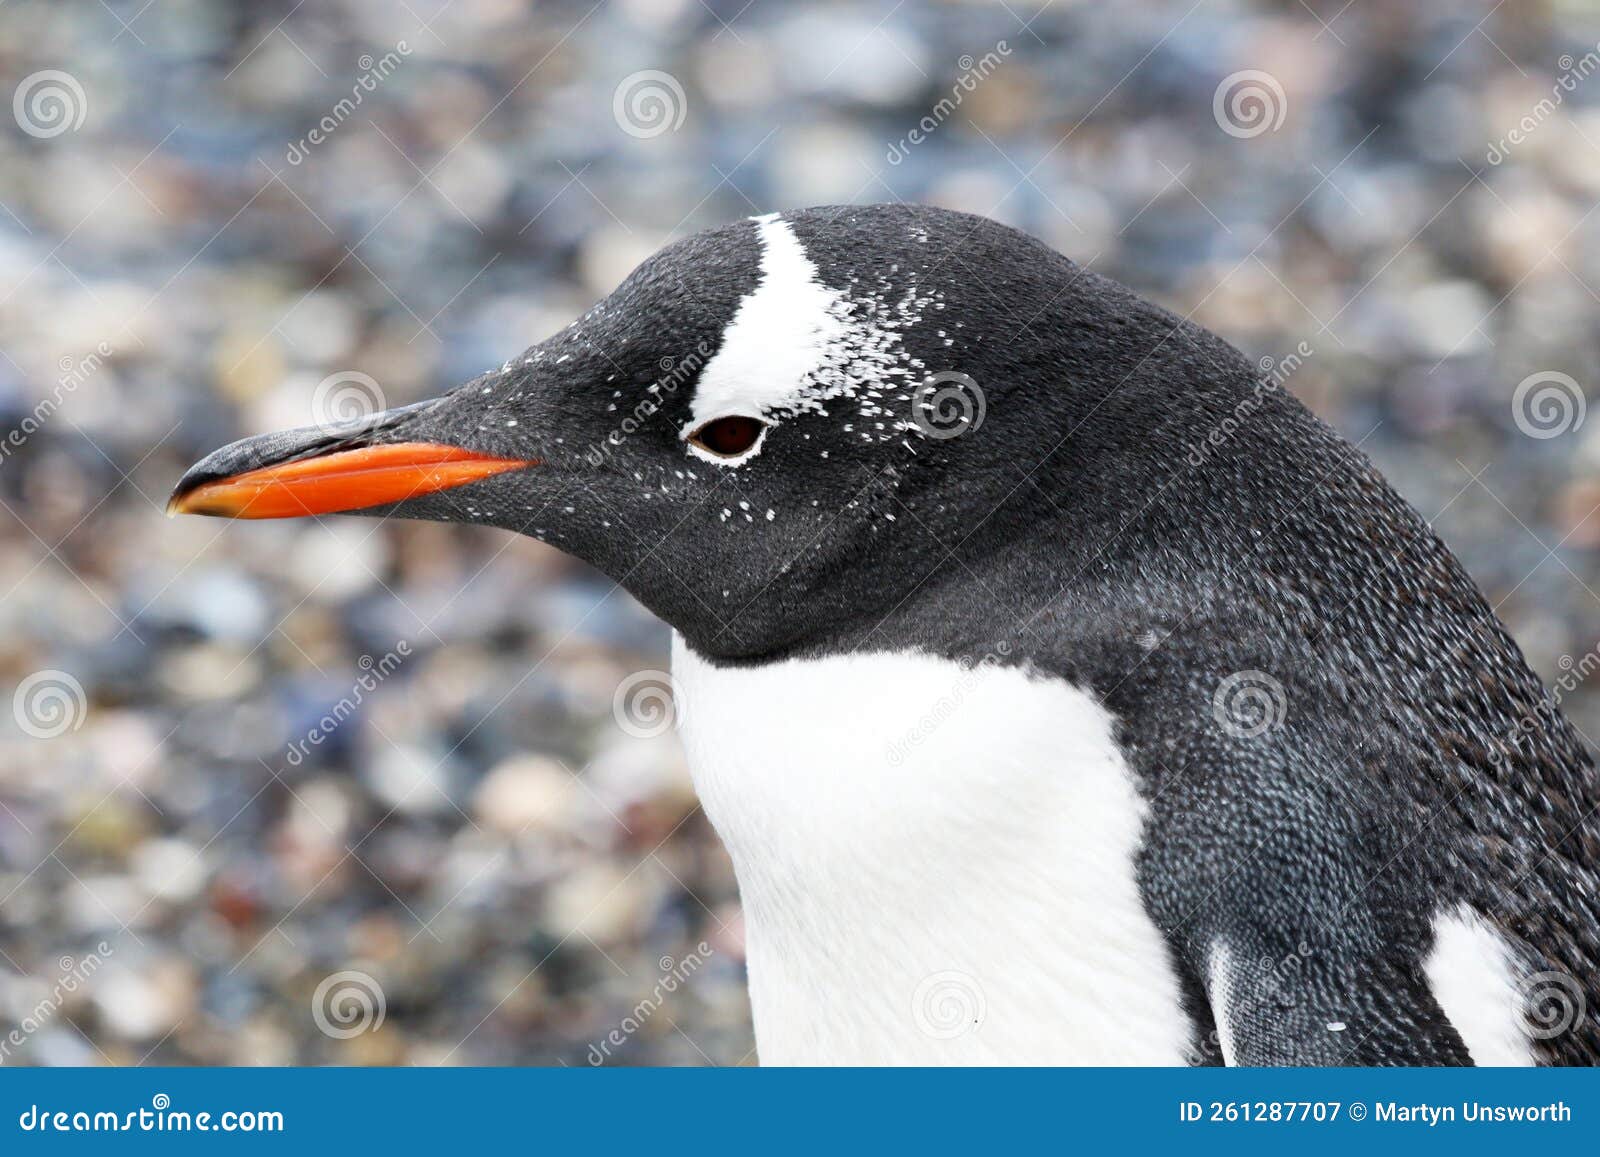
(794, 344)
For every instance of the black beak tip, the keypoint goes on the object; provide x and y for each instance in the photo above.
(244, 455)
(274, 449)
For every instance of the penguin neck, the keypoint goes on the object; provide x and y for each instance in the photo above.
(936, 863)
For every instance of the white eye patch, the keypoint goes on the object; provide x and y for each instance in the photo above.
(795, 343)
(785, 332)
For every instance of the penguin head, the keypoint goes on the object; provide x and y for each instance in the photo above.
(760, 426)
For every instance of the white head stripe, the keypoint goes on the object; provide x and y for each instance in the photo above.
(780, 336)
(796, 344)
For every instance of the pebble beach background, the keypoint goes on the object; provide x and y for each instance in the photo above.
(384, 793)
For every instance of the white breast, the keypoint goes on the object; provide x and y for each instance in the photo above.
(936, 864)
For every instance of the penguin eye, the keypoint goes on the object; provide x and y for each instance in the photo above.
(728, 437)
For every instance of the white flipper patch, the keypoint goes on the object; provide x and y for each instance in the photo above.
(1219, 986)
(1472, 973)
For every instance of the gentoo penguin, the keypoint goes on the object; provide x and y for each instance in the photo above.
(1064, 692)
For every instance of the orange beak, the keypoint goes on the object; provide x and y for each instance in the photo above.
(343, 480)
